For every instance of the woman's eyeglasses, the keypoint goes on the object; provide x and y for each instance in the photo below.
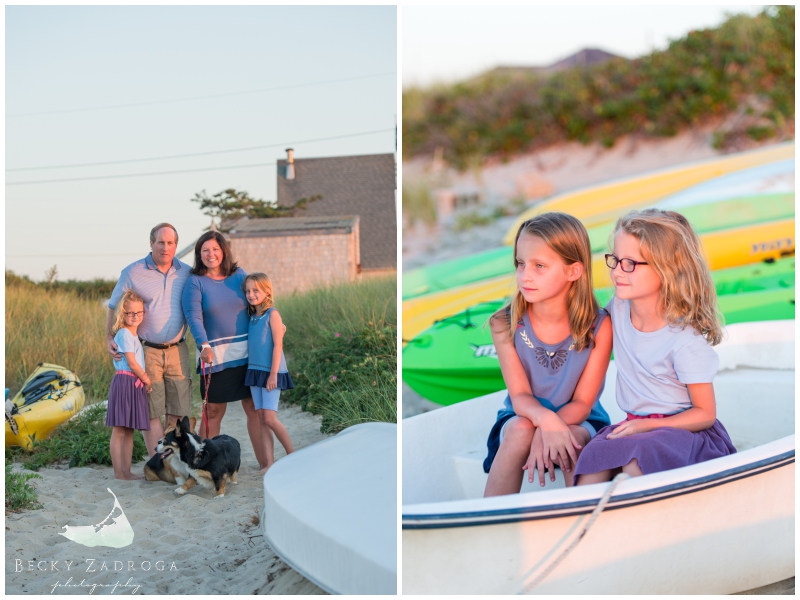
(627, 264)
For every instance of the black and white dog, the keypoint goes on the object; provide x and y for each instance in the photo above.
(211, 462)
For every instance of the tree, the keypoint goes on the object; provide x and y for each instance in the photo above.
(228, 206)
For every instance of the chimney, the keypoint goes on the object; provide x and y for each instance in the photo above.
(290, 164)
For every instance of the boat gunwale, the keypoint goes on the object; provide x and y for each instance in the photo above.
(566, 509)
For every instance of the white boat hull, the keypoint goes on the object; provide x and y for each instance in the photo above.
(330, 510)
(719, 527)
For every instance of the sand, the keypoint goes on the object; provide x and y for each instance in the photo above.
(204, 545)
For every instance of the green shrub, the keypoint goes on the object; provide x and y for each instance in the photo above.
(20, 495)
(83, 440)
(704, 75)
(341, 347)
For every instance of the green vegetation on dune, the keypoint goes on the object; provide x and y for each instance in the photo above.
(746, 63)
(341, 346)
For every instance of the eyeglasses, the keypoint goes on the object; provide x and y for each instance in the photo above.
(628, 265)
(131, 315)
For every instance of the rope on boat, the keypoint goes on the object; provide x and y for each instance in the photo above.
(595, 513)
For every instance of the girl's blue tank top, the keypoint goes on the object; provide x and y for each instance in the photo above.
(554, 369)
(260, 344)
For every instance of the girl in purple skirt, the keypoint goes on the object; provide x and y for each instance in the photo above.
(664, 315)
(127, 397)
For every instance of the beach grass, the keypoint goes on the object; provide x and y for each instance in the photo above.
(83, 440)
(341, 342)
(341, 348)
(58, 327)
(20, 495)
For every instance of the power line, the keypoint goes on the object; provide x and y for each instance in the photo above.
(68, 255)
(152, 102)
(141, 174)
(174, 156)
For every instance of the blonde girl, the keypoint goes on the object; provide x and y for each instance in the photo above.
(666, 321)
(554, 345)
(127, 396)
(266, 374)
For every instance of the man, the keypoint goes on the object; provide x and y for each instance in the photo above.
(159, 279)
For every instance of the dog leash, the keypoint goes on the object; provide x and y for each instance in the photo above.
(207, 381)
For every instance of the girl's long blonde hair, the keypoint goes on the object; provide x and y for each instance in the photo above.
(265, 285)
(119, 317)
(567, 237)
(671, 247)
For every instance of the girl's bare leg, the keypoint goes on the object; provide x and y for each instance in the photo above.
(263, 442)
(583, 438)
(270, 418)
(632, 468)
(505, 476)
(121, 448)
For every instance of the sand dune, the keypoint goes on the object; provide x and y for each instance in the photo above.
(194, 544)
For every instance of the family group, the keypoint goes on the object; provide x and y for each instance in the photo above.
(554, 345)
(239, 336)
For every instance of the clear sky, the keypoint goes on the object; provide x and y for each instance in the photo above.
(68, 70)
(448, 43)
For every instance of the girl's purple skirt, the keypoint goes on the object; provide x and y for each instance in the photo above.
(127, 403)
(661, 449)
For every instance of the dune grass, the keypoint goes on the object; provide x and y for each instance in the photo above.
(341, 347)
(58, 327)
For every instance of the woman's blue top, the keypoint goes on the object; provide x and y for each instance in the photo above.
(216, 312)
(260, 349)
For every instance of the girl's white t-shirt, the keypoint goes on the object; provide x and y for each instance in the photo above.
(127, 342)
(654, 368)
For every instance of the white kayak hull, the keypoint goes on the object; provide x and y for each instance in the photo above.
(330, 510)
(719, 527)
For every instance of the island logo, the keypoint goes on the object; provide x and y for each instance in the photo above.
(114, 531)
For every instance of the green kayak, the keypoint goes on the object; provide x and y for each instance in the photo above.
(705, 218)
(455, 359)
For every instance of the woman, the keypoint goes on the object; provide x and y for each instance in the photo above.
(215, 308)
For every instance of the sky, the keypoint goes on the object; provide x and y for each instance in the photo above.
(449, 43)
(97, 84)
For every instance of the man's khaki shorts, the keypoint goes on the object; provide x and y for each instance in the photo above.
(172, 382)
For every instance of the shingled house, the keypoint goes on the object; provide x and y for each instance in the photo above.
(298, 253)
(364, 186)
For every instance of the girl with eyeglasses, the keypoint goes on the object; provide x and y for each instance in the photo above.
(665, 322)
(127, 397)
(554, 345)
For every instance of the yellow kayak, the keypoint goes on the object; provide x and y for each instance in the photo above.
(598, 204)
(49, 397)
(723, 249)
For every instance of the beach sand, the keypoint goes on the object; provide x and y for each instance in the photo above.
(206, 545)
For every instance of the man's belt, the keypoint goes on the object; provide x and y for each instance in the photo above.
(160, 346)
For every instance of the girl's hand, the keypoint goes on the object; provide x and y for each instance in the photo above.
(559, 442)
(631, 428)
(538, 460)
(207, 355)
(148, 385)
(272, 381)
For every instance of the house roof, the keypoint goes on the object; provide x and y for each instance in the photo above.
(293, 226)
(350, 185)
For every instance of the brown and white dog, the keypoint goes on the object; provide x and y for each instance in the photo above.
(190, 460)
(159, 467)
